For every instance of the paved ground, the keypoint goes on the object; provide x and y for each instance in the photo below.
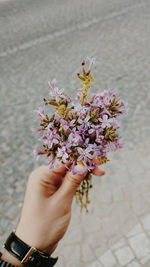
(45, 39)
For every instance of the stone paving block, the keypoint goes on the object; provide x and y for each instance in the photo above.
(92, 223)
(94, 264)
(139, 206)
(146, 264)
(105, 195)
(108, 259)
(134, 264)
(119, 244)
(148, 233)
(74, 235)
(124, 255)
(140, 245)
(147, 197)
(71, 255)
(146, 222)
(86, 252)
(101, 249)
(118, 194)
(96, 240)
(60, 262)
(145, 259)
(102, 210)
(135, 230)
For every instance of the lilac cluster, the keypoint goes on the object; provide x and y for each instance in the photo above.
(83, 131)
(80, 133)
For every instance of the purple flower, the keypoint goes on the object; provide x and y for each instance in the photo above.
(75, 169)
(67, 125)
(38, 153)
(35, 130)
(52, 84)
(94, 129)
(103, 100)
(75, 139)
(86, 154)
(90, 165)
(40, 112)
(114, 146)
(51, 138)
(114, 123)
(55, 92)
(105, 122)
(80, 132)
(91, 60)
(122, 106)
(82, 129)
(99, 138)
(84, 120)
(62, 153)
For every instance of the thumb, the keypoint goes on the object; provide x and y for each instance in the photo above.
(72, 181)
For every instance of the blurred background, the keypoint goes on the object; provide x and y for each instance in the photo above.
(41, 40)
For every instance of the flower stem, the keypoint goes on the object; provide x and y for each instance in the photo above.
(82, 193)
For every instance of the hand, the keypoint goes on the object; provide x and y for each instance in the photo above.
(46, 211)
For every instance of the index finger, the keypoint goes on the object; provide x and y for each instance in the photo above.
(45, 176)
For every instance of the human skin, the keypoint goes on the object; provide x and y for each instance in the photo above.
(46, 211)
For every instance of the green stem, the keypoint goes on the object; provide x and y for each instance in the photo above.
(82, 193)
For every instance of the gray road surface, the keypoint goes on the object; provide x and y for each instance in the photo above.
(40, 40)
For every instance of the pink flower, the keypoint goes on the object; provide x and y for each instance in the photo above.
(52, 84)
(75, 139)
(38, 153)
(91, 60)
(40, 112)
(61, 153)
(99, 138)
(105, 122)
(55, 92)
(86, 154)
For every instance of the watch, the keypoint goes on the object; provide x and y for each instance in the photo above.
(4, 263)
(28, 256)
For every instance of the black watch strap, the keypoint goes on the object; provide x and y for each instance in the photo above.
(29, 256)
(4, 263)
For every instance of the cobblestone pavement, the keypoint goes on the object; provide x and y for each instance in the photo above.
(45, 39)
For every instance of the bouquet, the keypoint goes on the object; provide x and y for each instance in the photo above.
(83, 131)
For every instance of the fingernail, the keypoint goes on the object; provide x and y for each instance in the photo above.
(79, 169)
(57, 164)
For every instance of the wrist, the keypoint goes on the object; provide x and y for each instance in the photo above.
(6, 256)
(18, 253)
(35, 241)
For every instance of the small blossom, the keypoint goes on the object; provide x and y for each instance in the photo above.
(105, 122)
(91, 60)
(62, 154)
(75, 139)
(86, 154)
(38, 153)
(57, 94)
(40, 112)
(52, 84)
(35, 130)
